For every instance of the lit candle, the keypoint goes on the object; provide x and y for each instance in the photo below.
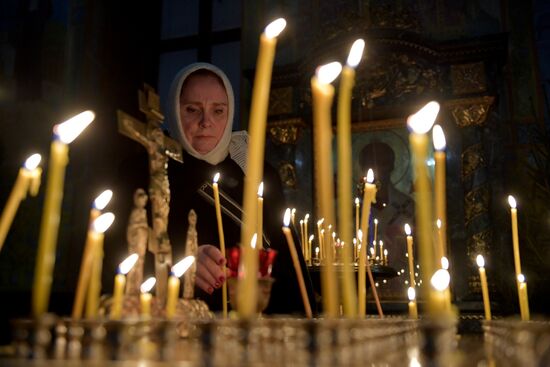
(322, 96)
(64, 134)
(320, 236)
(440, 188)
(28, 180)
(317, 253)
(174, 284)
(87, 261)
(296, 263)
(410, 255)
(484, 288)
(260, 222)
(145, 297)
(345, 228)
(355, 249)
(120, 285)
(220, 236)
(420, 123)
(248, 285)
(523, 299)
(515, 237)
(381, 245)
(375, 235)
(385, 256)
(440, 240)
(357, 207)
(369, 197)
(309, 246)
(307, 255)
(293, 217)
(95, 238)
(302, 242)
(440, 283)
(413, 310)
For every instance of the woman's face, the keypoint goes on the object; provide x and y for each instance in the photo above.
(203, 112)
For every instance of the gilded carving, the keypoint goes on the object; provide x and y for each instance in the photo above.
(396, 17)
(476, 202)
(470, 111)
(286, 131)
(287, 173)
(395, 79)
(468, 78)
(280, 101)
(472, 159)
(479, 243)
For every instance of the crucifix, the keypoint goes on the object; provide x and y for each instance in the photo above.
(159, 148)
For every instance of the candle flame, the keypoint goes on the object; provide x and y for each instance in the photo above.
(480, 261)
(439, 138)
(253, 240)
(286, 219)
(375, 221)
(422, 121)
(275, 28)
(293, 211)
(360, 233)
(408, 229)
(440, 280)
(370, 176)
(147, 285)
(328, 72)
(385, 252)
(320, 221)
(69, 130)
(512, 201)
(521, 278)
(333, 235)
(316, 250)
(181, 266)
(33, 161)
(103, 222)
(411, 293)
(372, 250)
(261, 189)
(311, 238)
(103, 199)
(354, 241)
(127, 264)
(216, 177)
(438, 223)
(306, 218)
(445, 263)
(356, 53)
(357, 201)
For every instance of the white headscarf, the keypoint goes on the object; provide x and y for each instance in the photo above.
(233, 143)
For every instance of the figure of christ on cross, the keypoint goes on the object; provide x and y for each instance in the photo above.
(159, 148)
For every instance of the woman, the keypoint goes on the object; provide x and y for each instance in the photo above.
(200, 115)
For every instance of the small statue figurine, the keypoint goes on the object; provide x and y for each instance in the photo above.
(137, 236)
(191, 248)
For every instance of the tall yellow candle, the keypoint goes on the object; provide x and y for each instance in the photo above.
(146, 297)
(221, 237)
(260, 221)
(440, 188)
(440, 240)
(25, 182)
(357, 208)
(438, 299)
(64, 134)
(296, 263)
(174, 284)
(515, 237)
(369, 197)
(484, 287)
(345, 228)
(120, 285)
(87, 261)
(523, 298)
(100, 225)
(302, 242)
(413, 309)
(410, 254)
(248, 286)
(293, 217)
(322, 95)
(420, 123)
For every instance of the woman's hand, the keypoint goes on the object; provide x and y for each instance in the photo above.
(210, 268)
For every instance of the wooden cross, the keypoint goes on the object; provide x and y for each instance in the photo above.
(159, 148)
